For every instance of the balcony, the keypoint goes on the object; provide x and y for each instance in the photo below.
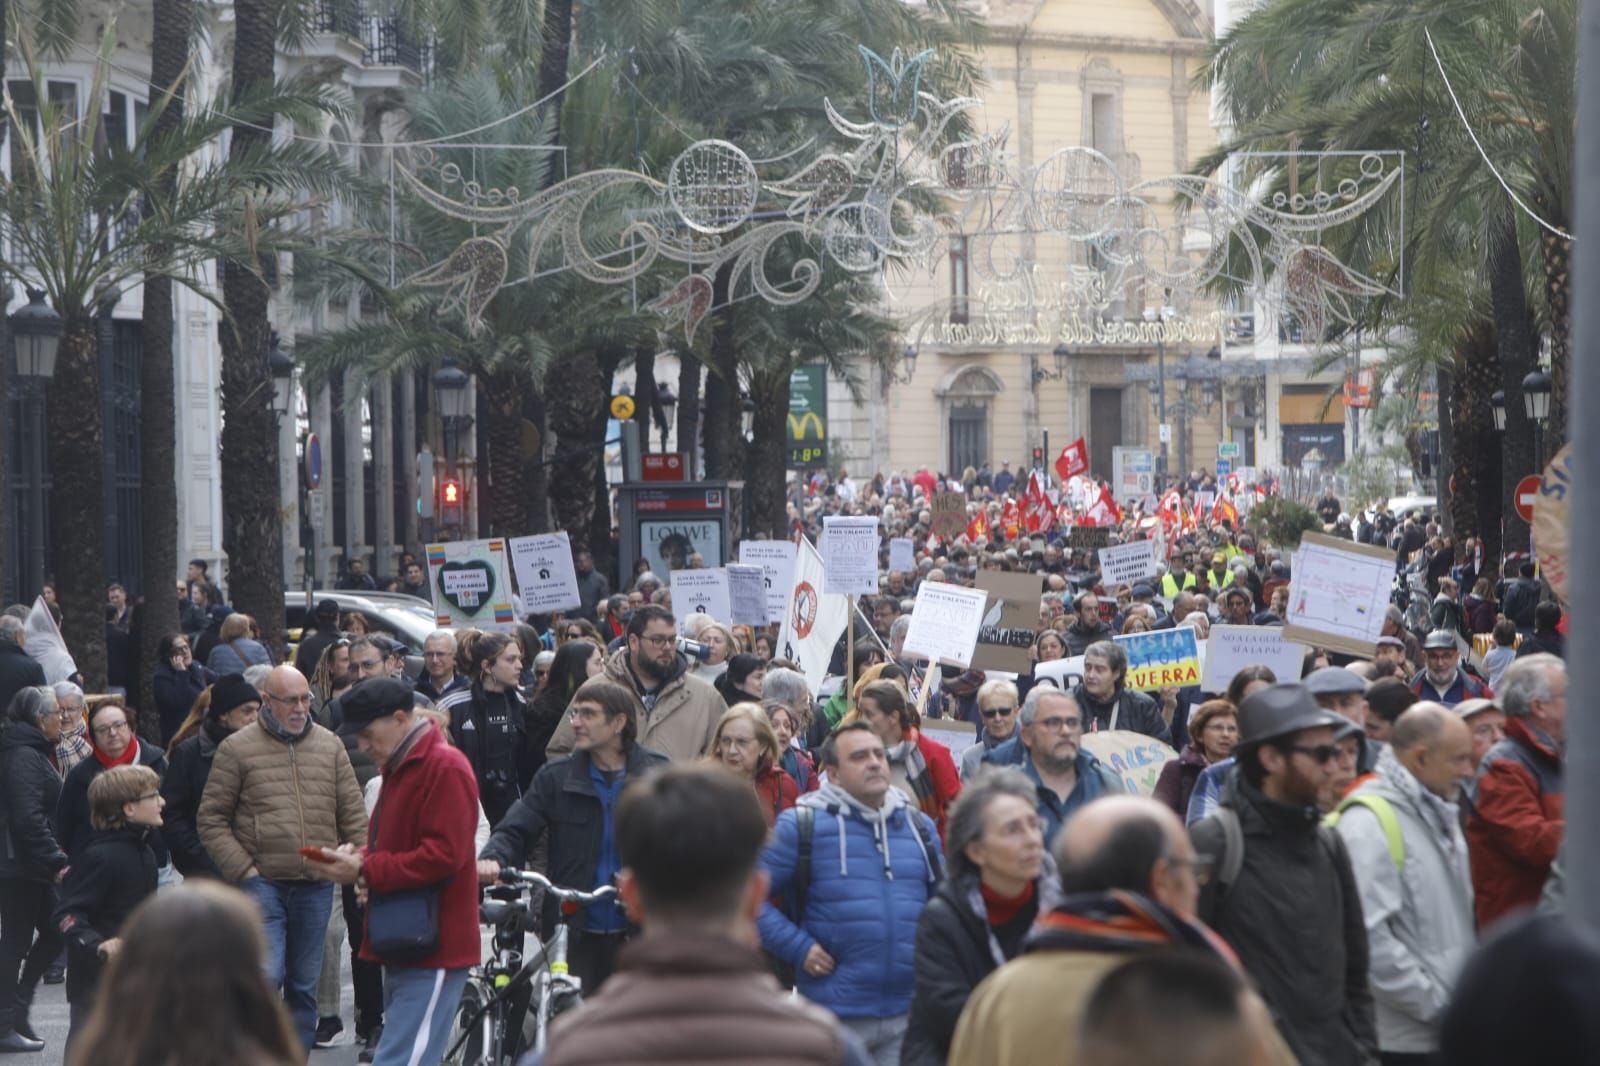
(343, 17)
(388, 45)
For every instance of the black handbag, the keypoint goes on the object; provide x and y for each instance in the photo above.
(402, 926)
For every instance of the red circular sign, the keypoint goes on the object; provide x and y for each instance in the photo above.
(1527, 491)
(805, 610)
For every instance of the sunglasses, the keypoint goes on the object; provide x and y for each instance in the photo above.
(1319, 753)
(996, 712)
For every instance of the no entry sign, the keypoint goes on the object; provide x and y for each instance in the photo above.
(1522, 499)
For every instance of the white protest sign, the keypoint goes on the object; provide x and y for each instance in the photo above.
(1339, 595)
(700, 592)
(850, 555)
(747, 594)
(1124, 564)
(1232, 648)
(776, 560)
(812, 622)
(543, 568)
(471, 584)
(1064, 674)
(945, 622)
(902, 556)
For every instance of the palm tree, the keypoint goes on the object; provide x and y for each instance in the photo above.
(78, 220)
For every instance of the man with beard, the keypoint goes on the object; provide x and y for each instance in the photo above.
(677, 712)
(1442, 679)
(1048, 748)
(1088, 627)
(1283, 894)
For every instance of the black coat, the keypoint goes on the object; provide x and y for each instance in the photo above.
(115, 872)
(18, 670)
(72, 810)
(562, 801)
(182, 785)
(31, 786)
(176, 692)
(490, 729)
(955, 951)
(1293, 916)
(311, 648)
(1134, 710)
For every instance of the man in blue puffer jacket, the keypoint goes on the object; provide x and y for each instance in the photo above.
(874, 861)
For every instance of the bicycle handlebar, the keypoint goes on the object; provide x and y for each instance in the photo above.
(512, 876)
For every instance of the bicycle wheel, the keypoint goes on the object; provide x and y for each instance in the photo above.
(472, 1028)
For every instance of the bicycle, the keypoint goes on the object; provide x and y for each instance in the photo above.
(510, 1002)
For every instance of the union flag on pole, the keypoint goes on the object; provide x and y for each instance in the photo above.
(1104, 511)
(1224, 511)
(1073, 460)
(1039, 512)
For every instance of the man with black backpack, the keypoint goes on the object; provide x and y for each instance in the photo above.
(1283, 894)
(857, 862)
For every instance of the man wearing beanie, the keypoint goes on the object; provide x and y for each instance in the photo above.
(1282, 893)
(234, 704)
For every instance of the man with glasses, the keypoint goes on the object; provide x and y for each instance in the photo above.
(1048, 748)
(439, 677)
(997, 703)
(277, 786)
(1131, 881)
(1283, 895)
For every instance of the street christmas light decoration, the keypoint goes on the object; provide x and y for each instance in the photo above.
(861, 205)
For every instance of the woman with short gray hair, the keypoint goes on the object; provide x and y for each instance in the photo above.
(1000, 879)
(72, 747)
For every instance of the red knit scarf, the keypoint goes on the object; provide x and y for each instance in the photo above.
(1001, 909)
(127, 758)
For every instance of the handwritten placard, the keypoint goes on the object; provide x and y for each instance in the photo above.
(1232, 648)
(1124, 564)
(945, 622)
(1162, 658)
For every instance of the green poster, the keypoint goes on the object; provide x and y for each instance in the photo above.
(808, 418)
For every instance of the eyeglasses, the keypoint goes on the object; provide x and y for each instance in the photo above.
(291, 701)
(996, 712)
(660, 640)
(110, 728)
(1056, 725)
(1201, 865)
(736, 743)
(1318, 753)
(149, 796)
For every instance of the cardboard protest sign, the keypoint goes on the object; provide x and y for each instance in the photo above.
(1339, 595)
(945, 622)
(902, 555)
(949, 514)
(1232, 648)
(700, 592)
(1134, 757)
(747, 594)
(1010, 618)
(956, 736)
(1552, 522)
(1125, 564)
(776, 559)
(1088, 538)
(850, 555)
(471, 585)
(546, 578)
(1162, 658)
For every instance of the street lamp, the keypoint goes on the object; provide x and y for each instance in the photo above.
(36, 334)
(1153, 316)
(1536, 395)
(450, 387)
(669, 406)
(908, 364)
(282, 376)
(747, 416)
(1497, 403)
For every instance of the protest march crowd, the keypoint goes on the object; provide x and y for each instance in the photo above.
(1065, 779)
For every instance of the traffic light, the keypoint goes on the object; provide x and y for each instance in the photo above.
(1038, 458)
(452, 498)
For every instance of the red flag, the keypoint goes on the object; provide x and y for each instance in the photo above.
(1039, 512)
(977, 527)
(1104, 511)
(1074, 459)
(1224, 511)
(1011, 519)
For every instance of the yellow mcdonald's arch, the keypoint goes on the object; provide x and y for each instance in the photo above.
(798, 426)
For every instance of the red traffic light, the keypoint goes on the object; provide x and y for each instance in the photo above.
(1038, 456)
(450, 491)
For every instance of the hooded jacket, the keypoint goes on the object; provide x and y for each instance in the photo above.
(1419, 917)
(679, 720)
(116, 871)
(870, 878)
(29, 848)
(957, 949)
(1293, 916)
(1517, 818)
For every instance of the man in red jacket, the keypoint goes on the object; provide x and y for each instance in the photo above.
(421, 837)
(1518, 814)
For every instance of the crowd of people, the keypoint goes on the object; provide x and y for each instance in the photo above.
(1308, 882)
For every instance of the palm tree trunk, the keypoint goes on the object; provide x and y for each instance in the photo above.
(1557, 255)
(688, 409)
(722, 440)
(77, 526)
(574, 410)
(767, 457)
(5, 346)
(553, 60)
(252, 531)
(1474, 450)
(1514, 332)
(158, 515)
(505, 466)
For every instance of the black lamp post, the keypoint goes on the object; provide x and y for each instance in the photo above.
(450, 388)
(1497, 403)
(1536, 389)
(668, 400)
(35, 335)
(282, 376)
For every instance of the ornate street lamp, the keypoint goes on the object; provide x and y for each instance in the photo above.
(455, 402)
(669, 406)
(35, 333)
(282, 376)
(1536, 389)
(1061, 354)
(747, 416)
(1497, 402)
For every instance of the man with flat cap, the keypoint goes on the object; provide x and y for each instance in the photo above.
(1344, 692)
(1443, 679)
(1282, 893)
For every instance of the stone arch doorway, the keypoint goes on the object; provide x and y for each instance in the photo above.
(966, 422)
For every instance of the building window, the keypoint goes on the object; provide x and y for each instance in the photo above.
(959, 279)
(1103, 124)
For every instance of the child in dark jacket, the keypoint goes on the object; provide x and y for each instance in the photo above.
(111, 876)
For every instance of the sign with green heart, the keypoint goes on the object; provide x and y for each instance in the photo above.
(467, 586)
(471, 584)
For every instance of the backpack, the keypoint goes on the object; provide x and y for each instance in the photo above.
(805, 822)
(1388, 821)
(1232, 861)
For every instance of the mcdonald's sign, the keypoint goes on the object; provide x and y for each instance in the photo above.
(808, 417)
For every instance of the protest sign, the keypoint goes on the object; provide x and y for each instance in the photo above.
(545, 576)
(1124, 564)
(902, 555)
(812, 621)
(850, 555)
(1010, 618)
(1088, 538)
(944, 623)
(747, 594)
(949, 510)
(776, 559)
(956, 736)
(1339, 595)
(700, 592)
(470, 584)
(1232, 648)
(1552, 522)
(1134, 757)
(1065, 674)
(1161, 658)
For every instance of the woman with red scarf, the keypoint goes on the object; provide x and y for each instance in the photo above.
(745, 744)
(111, 736)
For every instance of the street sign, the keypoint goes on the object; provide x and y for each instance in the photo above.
(1527, 492)
(318, 508)
(622, 407)
(1224, 467)
(311, 472)
(1229, 449)
(1132, 473)
(1166, 433)
(661, 466)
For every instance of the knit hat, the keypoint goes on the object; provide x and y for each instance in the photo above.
(230, 691)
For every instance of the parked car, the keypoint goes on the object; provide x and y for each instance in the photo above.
(392, 614)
